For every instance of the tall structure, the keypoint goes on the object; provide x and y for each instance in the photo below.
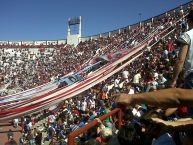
(74, 30)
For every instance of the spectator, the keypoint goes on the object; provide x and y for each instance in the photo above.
(38, 137)
(105, 133)
(185, 55)
(108, 121)
(130, 88)
(31, 137)
(10, 134)
(50, 132)
(15, 122)
(137, 78)
(128, 135)
(75, 126)
(125, 75)
(116, 84)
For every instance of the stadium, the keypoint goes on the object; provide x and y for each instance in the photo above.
(128, 86)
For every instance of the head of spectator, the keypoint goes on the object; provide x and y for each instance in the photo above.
(128, 135)
(106, 134)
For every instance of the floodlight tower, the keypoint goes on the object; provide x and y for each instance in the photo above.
(74, 30)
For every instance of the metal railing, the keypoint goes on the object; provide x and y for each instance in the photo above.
(76, 133)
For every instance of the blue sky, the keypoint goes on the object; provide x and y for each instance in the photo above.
(47, 19)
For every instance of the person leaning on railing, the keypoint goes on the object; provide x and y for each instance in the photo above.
(105, 133)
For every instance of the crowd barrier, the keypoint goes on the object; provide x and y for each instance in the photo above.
(79, 131)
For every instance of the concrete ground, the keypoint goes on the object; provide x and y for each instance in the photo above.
(4, 128)
(3, 133)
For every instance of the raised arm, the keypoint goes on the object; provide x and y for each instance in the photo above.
(166, 98)
(185, 124)
(179, 64)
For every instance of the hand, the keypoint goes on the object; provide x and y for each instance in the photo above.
(165, 124)
(98, 120)
(123, 99)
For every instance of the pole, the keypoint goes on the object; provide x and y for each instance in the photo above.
(140, 20)
(140, 17)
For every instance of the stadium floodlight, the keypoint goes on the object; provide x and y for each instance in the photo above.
(74, 30)
(74, 26)
(139, 17)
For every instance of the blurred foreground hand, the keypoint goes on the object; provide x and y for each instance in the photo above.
(123, 99)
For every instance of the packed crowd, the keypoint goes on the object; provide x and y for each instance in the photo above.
(22, 69)
(78, 111)
(148, 73)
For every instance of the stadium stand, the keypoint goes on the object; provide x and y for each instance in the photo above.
(79, 118)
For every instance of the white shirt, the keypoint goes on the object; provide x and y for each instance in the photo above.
(125, 74)
(116, 83)
(51, 118)
(78, 104)
(16, 121)
(136, 112)
(154, 83)
(94, 97)
(163, 80)
(83, 106)
(156, 75)
(182, 12)
(187, 38)
(166, 52)
(161, 27)
(52, 78)
(92, 104)
(131, 91)
(30, 125)
(136, 78)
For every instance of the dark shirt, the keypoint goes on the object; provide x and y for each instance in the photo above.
(38, 139)
(9, 134)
